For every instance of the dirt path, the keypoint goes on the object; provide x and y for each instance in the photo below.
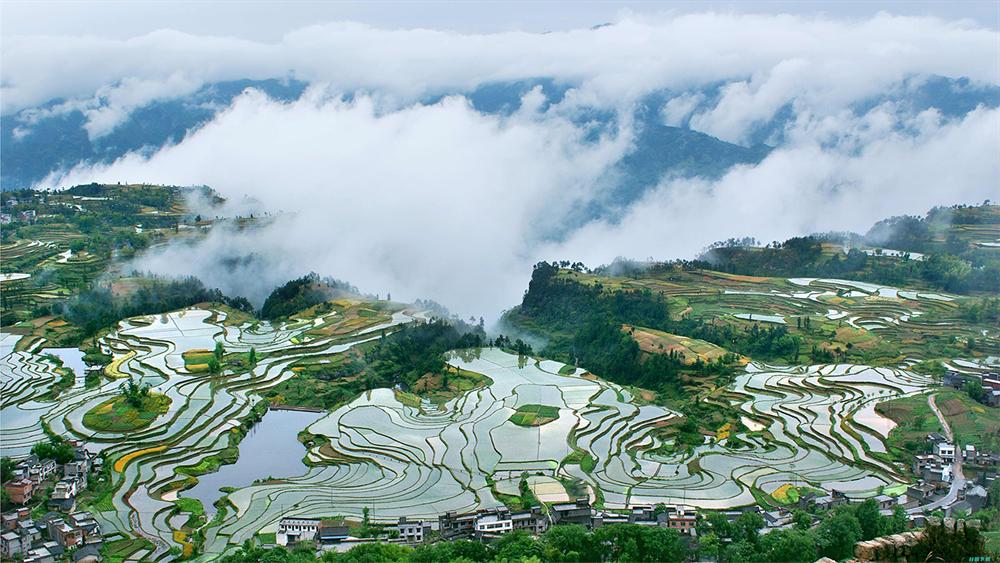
(958, 479)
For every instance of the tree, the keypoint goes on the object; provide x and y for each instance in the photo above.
(252, 357)
(838, 533)
(219, 351)
(747, 527)
(975, 390)
(869, 519)
(568, 543)
(213, 365)
(7, 466)
(801, 519)
(133, 393)
(516, 546)
(631, 542)
(56, 448)
(788, 545)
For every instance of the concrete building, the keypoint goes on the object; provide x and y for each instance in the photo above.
(413, 531)
(945, 450)
(532, 521)
(13, 544)
(294, 530)
(578, 512)
(454, 526)
(64, 534)
(493, 524)
(20, 490)
(332, 531)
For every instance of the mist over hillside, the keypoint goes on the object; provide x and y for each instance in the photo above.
(463, 174)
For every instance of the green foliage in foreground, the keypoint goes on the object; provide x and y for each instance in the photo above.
(834, 537)
(619, 542)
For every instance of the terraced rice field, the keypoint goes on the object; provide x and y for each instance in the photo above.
(807, 426)
(203, 408)
(821, 431)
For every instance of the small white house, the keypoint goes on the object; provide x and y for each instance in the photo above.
(494, 524)
(945, 451)
(293, 530)
(413, 531)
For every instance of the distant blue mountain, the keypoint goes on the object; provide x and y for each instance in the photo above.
(60, 141)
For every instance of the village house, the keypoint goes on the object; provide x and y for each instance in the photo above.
(935, 437)
(63, 496)
(37, 470)
(682, 518)
(923, 461)
(886, 502)
(578, 512)
(86, 523)
(937, 474)
(532, 521)
(64, 534)
(294, 530)
(454, 526)
(20, 490)
(13, 544)
(777, 518)
(40, 554)
(413, 531)
(493, 524)
(920, 492)
(332, 531)
(945, 450)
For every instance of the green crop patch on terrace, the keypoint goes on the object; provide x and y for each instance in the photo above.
(534, 415)
(914, 420)
(117, 415)
(972, 422)
(120, 550)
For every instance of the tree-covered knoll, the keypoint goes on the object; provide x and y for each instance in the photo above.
(583, 325)
(302, 293)
(411, 357)
(99, 307)
(952, 261)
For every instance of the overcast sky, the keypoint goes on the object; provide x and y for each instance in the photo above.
(268, 21)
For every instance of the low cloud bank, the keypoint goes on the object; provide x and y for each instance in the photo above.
(440, 201)
(446, 203)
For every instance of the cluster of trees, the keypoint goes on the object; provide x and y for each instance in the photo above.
(56, 448)
(98, 307)
(519, 346)
(619, 542)
(302, 293)
(133, 393)
(834, 537)
(952, 265)
(986, 309)
(403, 357)
(583, 324)
(720, 540)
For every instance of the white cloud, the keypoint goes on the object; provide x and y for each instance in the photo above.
(770, 60)
(429, 201)
(112, 105)
(805, 189)
(679, 108)
(443, 202)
